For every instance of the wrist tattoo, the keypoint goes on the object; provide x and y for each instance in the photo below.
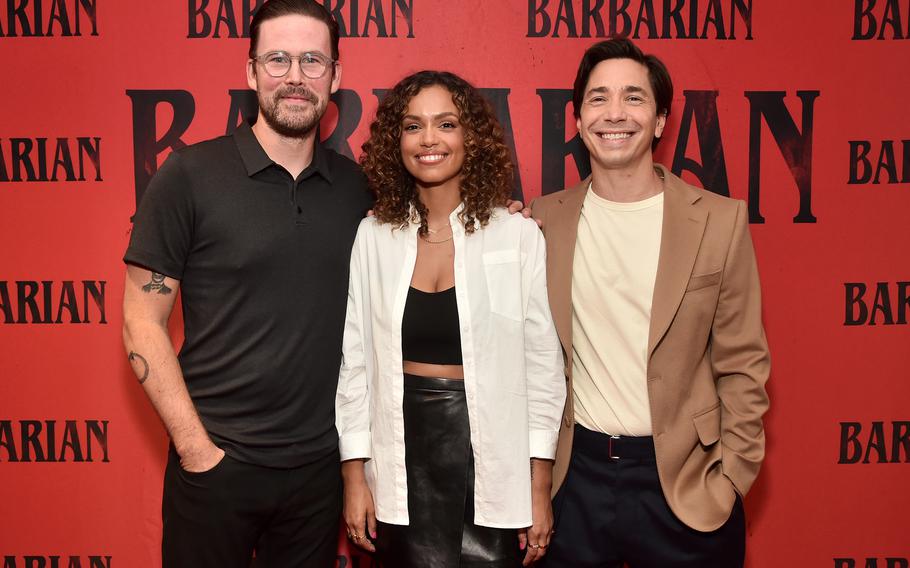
(135, 360)
(157, 283)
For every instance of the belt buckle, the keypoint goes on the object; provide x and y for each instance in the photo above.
(610, 447)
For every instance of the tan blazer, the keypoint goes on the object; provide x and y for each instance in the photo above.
(708, 359)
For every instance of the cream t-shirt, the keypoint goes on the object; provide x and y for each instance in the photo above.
(613, 276)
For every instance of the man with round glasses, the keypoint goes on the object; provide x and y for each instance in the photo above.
(304, 106)
(255, 230)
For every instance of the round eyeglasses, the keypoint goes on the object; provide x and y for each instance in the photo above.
(278, 63)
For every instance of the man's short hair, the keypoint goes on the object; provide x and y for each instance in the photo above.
(276, 8)
(622, 48)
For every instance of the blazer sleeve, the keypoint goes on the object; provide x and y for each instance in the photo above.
(740, 360)
(538, 213)
(546, 383)
(352, 404)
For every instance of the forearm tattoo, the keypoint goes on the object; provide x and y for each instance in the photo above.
(532, 469)
(157, 283)
(139, 364)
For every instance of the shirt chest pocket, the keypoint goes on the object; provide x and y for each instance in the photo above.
(502, 269)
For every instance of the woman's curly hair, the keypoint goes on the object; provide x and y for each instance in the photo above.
(486, 176)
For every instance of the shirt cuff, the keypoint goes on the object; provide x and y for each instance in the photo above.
(355, 446)
(543, 444)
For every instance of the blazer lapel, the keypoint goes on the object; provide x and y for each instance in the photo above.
(682, 229)
(561, 229)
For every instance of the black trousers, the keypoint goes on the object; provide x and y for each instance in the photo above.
(439, 462)
(612, 511)
(218, 518)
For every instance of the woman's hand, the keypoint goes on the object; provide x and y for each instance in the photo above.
(359, 512)
(536, 539)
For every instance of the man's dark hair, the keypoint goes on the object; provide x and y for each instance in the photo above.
(276, 8)
(622, 48)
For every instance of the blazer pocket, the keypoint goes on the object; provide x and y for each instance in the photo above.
(503, 271)
(707, 425)
(697, 282)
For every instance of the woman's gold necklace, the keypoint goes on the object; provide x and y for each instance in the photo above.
(433, 232)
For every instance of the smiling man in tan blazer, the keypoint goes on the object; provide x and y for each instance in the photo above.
(654, 290)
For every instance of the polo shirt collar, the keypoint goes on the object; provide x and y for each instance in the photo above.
(320, 163)
(255, 159)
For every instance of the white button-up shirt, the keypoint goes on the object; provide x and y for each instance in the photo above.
(513, 366)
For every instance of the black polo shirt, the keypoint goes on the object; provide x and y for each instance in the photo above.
(263, 262)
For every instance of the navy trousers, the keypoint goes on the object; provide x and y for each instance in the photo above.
(611, 512)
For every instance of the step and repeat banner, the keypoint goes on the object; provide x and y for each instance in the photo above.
(798, 108)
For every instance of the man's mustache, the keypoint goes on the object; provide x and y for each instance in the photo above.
(301, 92)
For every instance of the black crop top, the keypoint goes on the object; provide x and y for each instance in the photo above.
(429, 328)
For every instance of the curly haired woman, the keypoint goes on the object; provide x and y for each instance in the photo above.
(451, 387)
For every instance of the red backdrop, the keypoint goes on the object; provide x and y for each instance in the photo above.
(797, 106)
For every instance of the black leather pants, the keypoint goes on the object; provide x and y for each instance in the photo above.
(440, 468)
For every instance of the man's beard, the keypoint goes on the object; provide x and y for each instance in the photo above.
(293, 122)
